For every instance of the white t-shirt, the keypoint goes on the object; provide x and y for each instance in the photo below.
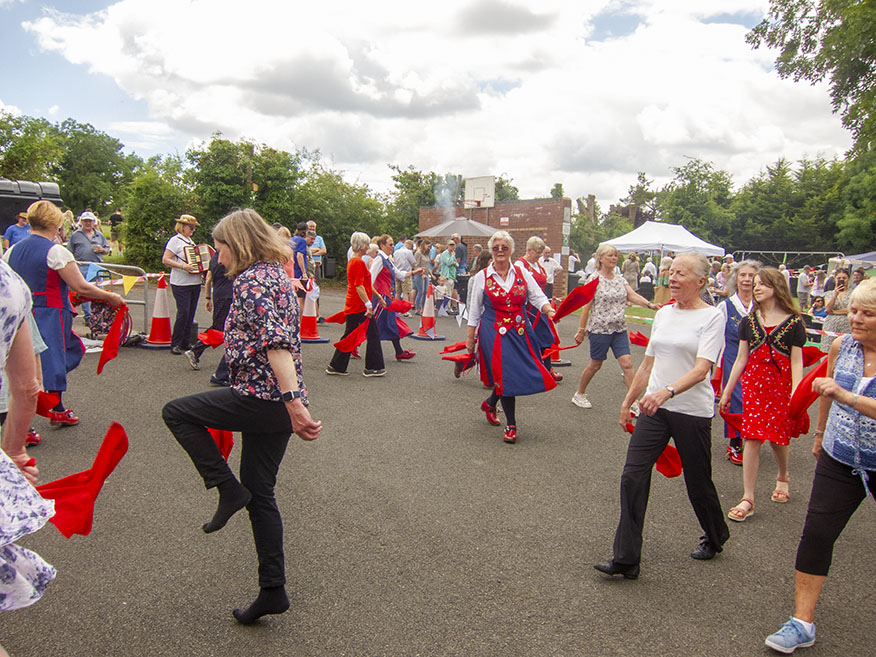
(678, 338)
(550, 267)
(803, 282)
(175, 245)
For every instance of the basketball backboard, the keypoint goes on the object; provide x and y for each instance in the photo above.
(480, 192)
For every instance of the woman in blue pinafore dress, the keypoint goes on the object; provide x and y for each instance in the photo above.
(508, 351)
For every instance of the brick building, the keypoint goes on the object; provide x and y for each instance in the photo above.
(549, 219)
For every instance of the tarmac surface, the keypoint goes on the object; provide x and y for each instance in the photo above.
(412, 529)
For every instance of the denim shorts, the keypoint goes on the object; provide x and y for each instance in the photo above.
(600, 342)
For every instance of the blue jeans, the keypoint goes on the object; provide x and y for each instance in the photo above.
(420, 288)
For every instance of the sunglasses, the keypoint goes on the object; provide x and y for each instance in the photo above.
(497, 249)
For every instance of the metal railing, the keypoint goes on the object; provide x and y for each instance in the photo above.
(124, 270)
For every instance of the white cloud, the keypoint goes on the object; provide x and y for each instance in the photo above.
(582, 92)
(9, 109)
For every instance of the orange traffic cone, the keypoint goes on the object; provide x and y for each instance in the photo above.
(309, 331)
(427, 320)
(159, 331)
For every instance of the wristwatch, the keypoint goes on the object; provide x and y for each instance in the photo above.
(291, 395)
(671, 391)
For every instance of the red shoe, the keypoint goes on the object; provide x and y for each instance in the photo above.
(734, 455)
(63, 418)
(557, 376)
(33, 438)
(356, 353)
(492, 415)
(510, 434)
(405, 355)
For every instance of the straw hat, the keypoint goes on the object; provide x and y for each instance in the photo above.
(187, 219)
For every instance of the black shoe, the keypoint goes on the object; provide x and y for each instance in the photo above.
(177, 351)
(630, 571)
(225, 383)
(320, 320)
(705, 550)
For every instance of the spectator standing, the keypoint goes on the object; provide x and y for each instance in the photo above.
(317, 251)
(116, 219)
(551, 267)
(630, 271)
(837, 308)
(817, 284)
(17, 231)
(649, 269)
(857, 276)
(447, 267)
(88, 245)
(804, 286)
(404, 262)
(185, 282)
(421, 281)
(299, 252)
(461, 254)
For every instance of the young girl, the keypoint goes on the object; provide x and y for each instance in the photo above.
(771, 339)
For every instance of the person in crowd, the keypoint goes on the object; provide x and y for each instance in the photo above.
(685, 343)
(661, 283)
(185, 282)
(786, 273)
(448, 266)
(571, 269)
(116, 220)
(550, 266)
(630, 271)
(719, 290)
(476, 251)
(845, 472)
(734, 309)
(299, 253)
(421, 281)
(857, 277)
(24, 575)
(50, 271)
(461, 253)
(383, 277)
(17, 231)
(544, 330)
(649, 269)
(591, 265)
(837, 309)
(88, 244)
(370, 252)
(309, 240)
(804, 287)
(770, 364)
(358, 307)
(818, 284)
(604, 320)
(400, 243)
(317, 251)
(266, 403)
(501, 332)
(217, 298)
(403, 259)
(817, 308)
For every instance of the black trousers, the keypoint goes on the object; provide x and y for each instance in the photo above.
(693, 439)
(836, 495)
(265, 428)
(186, 297)
(220, 313)
(373, 350)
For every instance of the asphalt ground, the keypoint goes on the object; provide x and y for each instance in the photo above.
(412, 529)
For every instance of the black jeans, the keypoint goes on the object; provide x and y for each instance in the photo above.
(693, 439)
(186, 297)
(836, 495)
(373, 350)
(265, 428)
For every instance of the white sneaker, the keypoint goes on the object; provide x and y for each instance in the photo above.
(581, 401)
(634, 409)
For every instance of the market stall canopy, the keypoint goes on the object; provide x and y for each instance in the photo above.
(869, 257)
(655, 235)
(461, 226)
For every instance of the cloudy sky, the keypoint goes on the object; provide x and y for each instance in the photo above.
(581, 92)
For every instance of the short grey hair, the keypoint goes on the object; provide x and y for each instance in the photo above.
(701, 266)
(730, 283)
(501, 235)
(359, 241)
(534, 243)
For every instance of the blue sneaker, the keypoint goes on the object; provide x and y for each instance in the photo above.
(791, 635)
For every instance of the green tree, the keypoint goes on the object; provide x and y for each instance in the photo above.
(557, 192)
(157, 197)
(828, 38)
(698, 198)
(91, 168)
(221, 177)
(413, 190)
(857, 227)
(30, 148)
(275, 175)
(642, 195)
(505, 190)
(588, 233)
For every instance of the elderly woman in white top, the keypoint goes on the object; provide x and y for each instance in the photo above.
(604, 318)
(679, 403)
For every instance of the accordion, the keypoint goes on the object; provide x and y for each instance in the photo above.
(199, 255)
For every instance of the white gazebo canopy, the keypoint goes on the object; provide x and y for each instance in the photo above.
(657, 236)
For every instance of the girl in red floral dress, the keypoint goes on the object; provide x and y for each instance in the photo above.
(771, 343)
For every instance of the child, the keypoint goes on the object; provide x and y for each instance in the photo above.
(771, 341)
(439, 291)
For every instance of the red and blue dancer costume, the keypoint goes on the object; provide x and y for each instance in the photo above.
(541, 325)
(383, 282)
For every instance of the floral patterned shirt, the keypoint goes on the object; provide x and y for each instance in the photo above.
(609, 305)
(263, 316)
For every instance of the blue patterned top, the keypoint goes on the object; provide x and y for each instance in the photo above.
(263, 316)
(850, 436)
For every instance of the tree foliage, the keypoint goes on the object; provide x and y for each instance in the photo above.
(828, 38)
(30, 148)
(589, 232)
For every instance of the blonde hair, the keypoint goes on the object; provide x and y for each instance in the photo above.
(44, 214)
(535, 243)
(283, 232)
(604, 250)
(864, 293)
(249, 239)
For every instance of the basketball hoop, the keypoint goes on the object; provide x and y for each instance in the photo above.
(469, 204)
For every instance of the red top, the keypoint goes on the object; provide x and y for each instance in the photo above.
(537, 271)
(357, 274)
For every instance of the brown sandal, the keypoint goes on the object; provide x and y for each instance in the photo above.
(781, 496)
(738, 513)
